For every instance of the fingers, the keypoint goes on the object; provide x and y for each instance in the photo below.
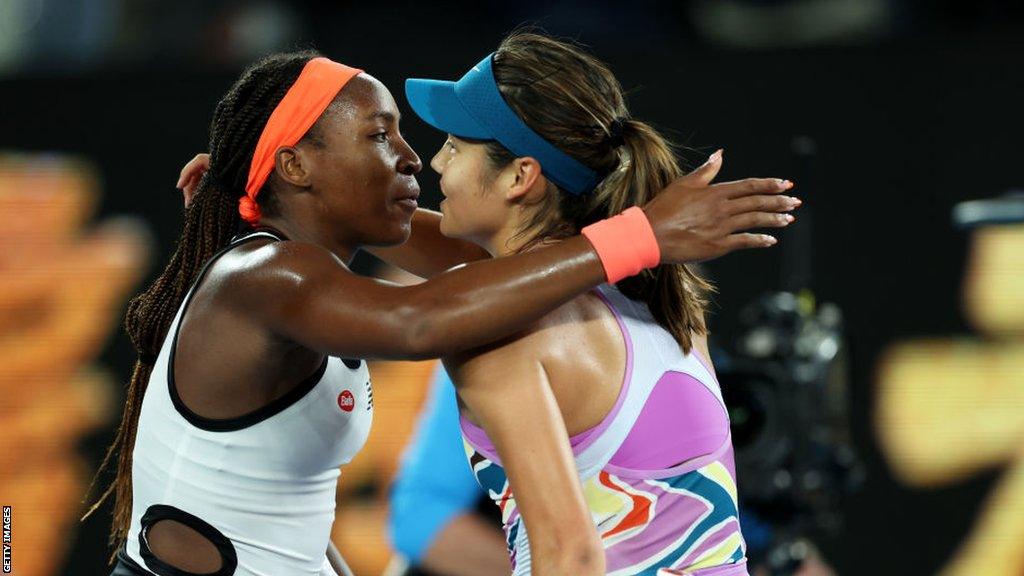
(746, 240)
(191, 174)
(752, 187)
(706, 172)
(194, 170)
(749, 220)
(762, 203)
(188, 191)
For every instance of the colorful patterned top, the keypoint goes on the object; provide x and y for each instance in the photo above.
(657, 472)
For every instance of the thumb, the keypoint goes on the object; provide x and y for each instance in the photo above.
(706, 172)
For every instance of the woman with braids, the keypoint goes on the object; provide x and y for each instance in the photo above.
(600, 430)
(249, 391)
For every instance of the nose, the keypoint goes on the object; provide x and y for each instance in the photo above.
(437, 163)
(409, 162)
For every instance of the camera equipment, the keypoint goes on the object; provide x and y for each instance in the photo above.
(785, 383)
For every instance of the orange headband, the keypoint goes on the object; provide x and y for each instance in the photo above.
(320, 81)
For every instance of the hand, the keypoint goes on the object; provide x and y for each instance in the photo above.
(695, 220)
(190, 176)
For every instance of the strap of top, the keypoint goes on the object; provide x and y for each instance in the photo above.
(239, 239)
(653, 347)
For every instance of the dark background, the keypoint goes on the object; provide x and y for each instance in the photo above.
(907, 118)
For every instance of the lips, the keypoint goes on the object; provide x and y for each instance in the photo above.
(408, 198)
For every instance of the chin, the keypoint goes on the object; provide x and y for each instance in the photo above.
(450, 231)
(392, 240)
(446, 230)
(398, 235)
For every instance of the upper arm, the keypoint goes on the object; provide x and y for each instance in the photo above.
(305, 294)
(507, 391)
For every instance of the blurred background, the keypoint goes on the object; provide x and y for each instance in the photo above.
(874, 359)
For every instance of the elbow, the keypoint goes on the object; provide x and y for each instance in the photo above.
(573, 555)
(421, 337)
(584, 558)
(421, 343)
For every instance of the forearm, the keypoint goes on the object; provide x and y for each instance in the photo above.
(488, 300)
(468, 546)
(307, 297)
(428, 252)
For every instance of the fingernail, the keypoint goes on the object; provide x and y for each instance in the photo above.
(794, 201)
(789, 217)
(770, 239)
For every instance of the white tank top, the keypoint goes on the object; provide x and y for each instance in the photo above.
(261, 486)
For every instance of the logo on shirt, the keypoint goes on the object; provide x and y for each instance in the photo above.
(346, 401)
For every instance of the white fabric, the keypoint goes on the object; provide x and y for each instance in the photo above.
(269, 487)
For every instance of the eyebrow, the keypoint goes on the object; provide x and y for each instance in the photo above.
(385, 115)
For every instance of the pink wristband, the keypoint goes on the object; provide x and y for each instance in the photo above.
(624, 243)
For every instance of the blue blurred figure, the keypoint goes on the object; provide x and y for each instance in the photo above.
(435, 522)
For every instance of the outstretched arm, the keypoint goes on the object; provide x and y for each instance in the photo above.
(716, 221)
(302, 292)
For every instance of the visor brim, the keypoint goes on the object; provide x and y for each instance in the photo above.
(436, 102)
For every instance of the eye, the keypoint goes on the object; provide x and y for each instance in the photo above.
(450, 145)
(380, 136)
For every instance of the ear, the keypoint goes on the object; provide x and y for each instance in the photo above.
(292, 164)
(527, 183)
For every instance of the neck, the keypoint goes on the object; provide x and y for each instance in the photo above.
(507, 240)
(343, 250)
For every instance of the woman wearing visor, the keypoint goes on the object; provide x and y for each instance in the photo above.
(599, 430)
(250, 393)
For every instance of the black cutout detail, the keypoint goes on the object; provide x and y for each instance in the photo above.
(258, 415)
(352, 363)
(126, 566)
(158, 512)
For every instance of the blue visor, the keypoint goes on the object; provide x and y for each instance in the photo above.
(474, 108)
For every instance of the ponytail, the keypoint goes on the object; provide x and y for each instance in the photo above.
(676, 296)
(572, 100)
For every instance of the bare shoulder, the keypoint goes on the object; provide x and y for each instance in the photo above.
(264, 269)
(551, 340)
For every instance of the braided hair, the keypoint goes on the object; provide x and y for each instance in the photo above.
(210, 222)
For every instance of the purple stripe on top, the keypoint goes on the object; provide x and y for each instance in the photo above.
(478, 439)
(680, 420)
(682, 468)
(672, 513)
